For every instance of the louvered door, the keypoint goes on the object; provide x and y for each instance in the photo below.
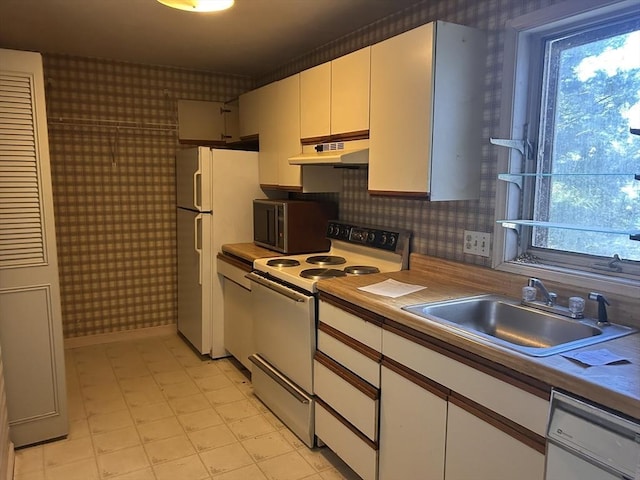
(30, 314)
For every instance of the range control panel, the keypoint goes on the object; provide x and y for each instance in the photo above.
(374, 237)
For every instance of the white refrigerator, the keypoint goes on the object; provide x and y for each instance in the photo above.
(214, 190)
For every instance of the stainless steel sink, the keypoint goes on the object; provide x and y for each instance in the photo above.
(503, 321)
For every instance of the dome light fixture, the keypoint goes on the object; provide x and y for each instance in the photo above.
(198, 5)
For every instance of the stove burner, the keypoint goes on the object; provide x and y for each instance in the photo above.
(326, 260)
(283, 262)
(320, 273)
(361, 269)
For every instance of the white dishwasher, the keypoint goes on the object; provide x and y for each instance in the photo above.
(586, 442)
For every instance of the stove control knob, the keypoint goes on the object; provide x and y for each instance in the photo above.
(392, 240)
(345, 232)
(383, 239)
(332, 229)
(371, 237)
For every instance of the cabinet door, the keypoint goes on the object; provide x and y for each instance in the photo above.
(288, 120)
(350, 87)
(250, 105)
(315, 102)
(401, 112)
(269, 129)
(200, 121)
(477, 449)
(238, 322)
(413, 427)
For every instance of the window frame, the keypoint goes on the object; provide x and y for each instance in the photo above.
(522, 74)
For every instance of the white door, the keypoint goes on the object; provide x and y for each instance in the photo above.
(30, 312)
(194, 279)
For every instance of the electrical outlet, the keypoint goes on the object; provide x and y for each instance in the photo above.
(477, 243)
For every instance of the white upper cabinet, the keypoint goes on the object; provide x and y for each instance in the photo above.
(334, 97)
(288, 119)
(268, 131)
(279, 124)
(202, 122)
(250, 108)
(350, 87)
(426, 117)
(315, 102)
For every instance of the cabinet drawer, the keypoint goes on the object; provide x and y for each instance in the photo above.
(508, 400)
(360, 454)
(355, 327)
(233, 273)
(353, 398)
(355, 356)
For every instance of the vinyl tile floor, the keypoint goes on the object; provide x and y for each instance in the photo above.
(154, 410)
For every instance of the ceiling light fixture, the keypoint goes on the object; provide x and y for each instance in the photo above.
(198, 5)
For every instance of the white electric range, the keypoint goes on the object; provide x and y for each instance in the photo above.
(285, 305)
(355, 250)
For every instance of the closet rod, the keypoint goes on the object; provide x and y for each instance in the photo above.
(84, 122)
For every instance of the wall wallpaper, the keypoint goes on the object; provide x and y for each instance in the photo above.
(113, 139)
(114, 190)
(438, 227)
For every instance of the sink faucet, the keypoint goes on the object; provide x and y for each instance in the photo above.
(548, 303)
(549, 297)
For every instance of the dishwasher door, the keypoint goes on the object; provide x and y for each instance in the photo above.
(586, 442)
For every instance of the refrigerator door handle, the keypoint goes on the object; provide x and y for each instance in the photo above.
(197, 182)
(197, 238)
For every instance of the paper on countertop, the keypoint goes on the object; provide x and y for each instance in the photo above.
(595, 357)
(391, 288)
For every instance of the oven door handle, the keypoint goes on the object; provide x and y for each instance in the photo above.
(298, 297)
(275, 376)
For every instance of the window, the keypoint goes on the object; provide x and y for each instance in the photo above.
(575, 97)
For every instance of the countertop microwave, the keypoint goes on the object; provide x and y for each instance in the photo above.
(292, 226)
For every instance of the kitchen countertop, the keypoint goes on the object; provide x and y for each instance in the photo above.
(615, 386)
(248, 251)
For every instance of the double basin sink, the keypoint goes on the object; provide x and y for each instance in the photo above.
(503, 321)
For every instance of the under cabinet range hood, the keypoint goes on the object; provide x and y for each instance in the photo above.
(355, 152)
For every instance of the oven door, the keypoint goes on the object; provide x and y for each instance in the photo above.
(285, 341)
(284, 328)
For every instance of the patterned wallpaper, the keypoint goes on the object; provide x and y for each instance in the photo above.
(438, 227)
(114, 187)
(113, 140)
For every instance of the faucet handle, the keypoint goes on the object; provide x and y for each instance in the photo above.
(553, 297)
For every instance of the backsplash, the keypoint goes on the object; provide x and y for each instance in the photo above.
(114, 187)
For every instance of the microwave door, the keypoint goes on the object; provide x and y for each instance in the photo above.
(264, 224)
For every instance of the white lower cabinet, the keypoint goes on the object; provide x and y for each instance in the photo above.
(479, 450)
(429, 429)
(413, 427)
(238, 316)
(395, 406)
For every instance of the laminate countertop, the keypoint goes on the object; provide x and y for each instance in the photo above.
(248, 251)
(616, 386)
